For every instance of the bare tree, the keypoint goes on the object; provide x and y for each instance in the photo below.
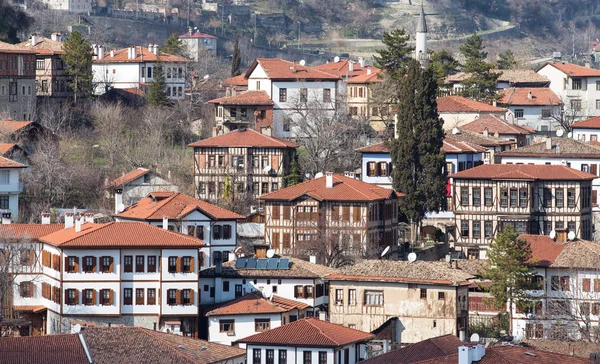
(568, 112)
(109, 124)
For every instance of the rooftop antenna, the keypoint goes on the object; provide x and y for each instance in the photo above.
(385, 251)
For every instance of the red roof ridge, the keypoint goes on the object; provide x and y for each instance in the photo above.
(354, 188)
(177, 351)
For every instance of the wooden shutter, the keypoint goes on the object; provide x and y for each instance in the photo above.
(275, 211)
(178, 294)
(31, 256)
(111, 297)
(286, 240)
(275, 240)
(200, 259)
(178, 265)
(76, 300)
(30, 289)
(356, 209)
(346, 213)
(191, 297)
(275, 162)
(76, 264)
(305, 292)
(201, 161)
(594, 169)
(111, 269)
(3, 256)
(94, 296)
(192, 264)
(297, 291)
(286, 212)
(586, 284)
(94, 264)
(596, 285)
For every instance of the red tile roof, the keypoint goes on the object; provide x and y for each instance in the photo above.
(127, 178)
(120, 234)
(427, 349)
(245, 98)
(245, 138)
(309, 332)
(366, 78)
(279, 69)
(494, 125)
(524, 172)
(374, 148)
(342, 69)
(570, 254)
(240, 80)
(456, 104)
(142, 54)
(197, 35)
(8, 126)
(544, 250)
(44, 46)
(49, 349)
(175, 206)
(539, 96)
(32, 231)
(454, 145)
(4, 148)
(344, 189)
(591, 123)
(573, 70)
(254, 304)
(560, 148)
(9, 163)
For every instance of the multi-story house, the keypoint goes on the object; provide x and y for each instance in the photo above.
(135, 185)
(537, 108)
(11, 186)
(214, 225)
(198, 45)
(307, 341)
(252, 163)
(533, 199)
(247, 109)
(427, 299)
(457, 111)
(586, 130)
(332, 210)
(519, 78)
(135, 66)
(17, 82)
(494, 125)
(50, 76)
(363, 103)
(493, 144)
(73, 6)
(576, 86)
(347, 69)
(113, 273)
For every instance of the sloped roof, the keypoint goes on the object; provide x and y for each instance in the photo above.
(120, 234)
(344, 189)
(48, 349)
(422, 24)
(197, 35)
(577, 253)
(309, 332)
(245, 98)
(427, 349)
(254, 304)
(15, 48)
(366, 78)
(544, 250)
(240, 80)
(580, 348)
(374, 148)
(455, 145)
(6, 147)
(298, 269)
(280, 69)
(142, 54)
(480, 139)
(44, 46)
(518, 76)
(457, 104)
(174, 205)
(32, 231)
(128, 177)
(342, 69)
(573, 70)
(524, 172)
(403, 271)
(244, 138)
(494, 125)
(9, 126)
(9, 163)
(560, 148)
(540, 96)
(591, 123)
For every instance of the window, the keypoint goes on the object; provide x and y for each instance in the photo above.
(283, 95)
(547, 198)
(105, 297)
(40, 64)
(464, 229)
(503, 197)
(287, 123)
(565, 283)
(476, 196)
(4, 177)
(226, 231)
(128, 264)
(152, 264)
(559, 197)
(171, 297)
(308, 291)
(227, 326)
(89, 264)
(575, 104)
(339, 297)
(256, 359)
(476, 229)
(586, 284)
(307, 357)
(374, 298)
(487, 195)
(172, 264)
(238, 289)
(187, 296)
(352, 297)
(464, 196)
(303, 95)
(106, 264)
(441, 296)
(519, 113)
(282, 356)
(72, 265)
(258, 85)
(322, 357)
(488, 229)
(139, 296)
(127, 299)
(513, 198)
(270, 356)
(26, 289)
(571, 227)
(151, 296)
(187, 264)
(570, 197)
(326, 95)
(597, 104)
(423, 294)
(546, 113)
(72, 297)
(217, 235)
(576, 84)
(139, 264)
(261, 325)
(523, 199)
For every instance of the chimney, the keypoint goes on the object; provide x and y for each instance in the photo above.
(369, 71)
(549, 143)
(150, 48)
(587, 65)
(118, 200)
(6, 218)
(267, 131)
(486, 132)
(495, 103)
(530, 96)
(57, 37)
(78, 223)
(350, 66)
(112, 52)
(361, 61)
(190, 31)
(89, 217)
(165, 224)
(45, 218)
(132, 52)
(68, 220)
(329, 179)
(312, 259)
(34, 39)
(95, 49)
(156, 49)
(100, 52)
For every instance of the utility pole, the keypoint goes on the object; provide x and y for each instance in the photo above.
(188, 15)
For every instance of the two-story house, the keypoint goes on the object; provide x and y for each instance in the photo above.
(214, 225)
(537, 108)
(247, 109)
(134, 67)
(363, 101)
(427, 299)
(533, 199)
(457, 111)
(517, 78)
(198, 45)
(17, 82)
(332, 210)
(250, 162)
(493, 125)
(11, 186)
(586, 130)
(135, 185)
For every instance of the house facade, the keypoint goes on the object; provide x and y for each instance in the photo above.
(135, 185)
(533, 199)
(493, 125)
(198, 44)
(457, 111)
(248, 109)
(73, 6)
(17, 82)
(586, 130)
(537, 108)
(11, 186)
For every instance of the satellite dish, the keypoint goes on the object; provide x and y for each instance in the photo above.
(570, 135)
(319, 175)
(76, 328)
(237, 250)
(571, 235)
(121, 207)
(267, 169)
(552, 234)
(385, 251)
(474, 338)
(302, 62)
(559, 132)
(563, 162)
(336, 59)
(206, 77)
(412, 257)
(267, 292)
(455, 131)
(270, 253)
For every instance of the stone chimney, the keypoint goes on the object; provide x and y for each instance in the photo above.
(45, 218)
(69, 220)
(34, 39)
(118, 199)
(329, 179)
(165, 224)
(100, 52)
(6, 218)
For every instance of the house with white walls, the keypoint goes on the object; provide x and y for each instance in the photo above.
(134, 185)
(135, 67)
(457, 111)
(535, 107)
(586, 130)
(175, 211)
(517, 78)
(11, 186)
(250, 314)
(113, 273)
(199, 44)
(307, 341)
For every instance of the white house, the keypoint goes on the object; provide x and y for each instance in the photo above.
(135, 185)
(197, 44)
(214, 225)
(586, 130)
(135, 67)
(537, 108)
(578, 88)
(457, 111)
(11, 187)
(307, 341)
(247, 315)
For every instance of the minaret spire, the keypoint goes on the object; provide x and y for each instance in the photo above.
(421, 39)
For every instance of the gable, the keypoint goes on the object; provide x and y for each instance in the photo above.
(258, 72)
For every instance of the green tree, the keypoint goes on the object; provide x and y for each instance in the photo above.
(416, 153)
(236, 59)
(482, 81)
(509, 273)
(174, 46)
(78, 58)
(442, 64)
(395, 56)
(156, 95)
(12, 20)
(507, 60)
(295, 176)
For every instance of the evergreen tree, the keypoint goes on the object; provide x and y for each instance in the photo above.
(395, 56)
(155, 94)
(236, 60)
(295, 176)
(509, 272)
(443, 65)
(174, 46)
(78, 58)
(416, 154)
(507, 61)
(482, 82)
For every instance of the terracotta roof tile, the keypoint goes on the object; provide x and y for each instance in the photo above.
(374, 148)
(573, 70)
(560, 148)
(344, 189)
(423, 350)
(143, 54)
(480, 139)
(520, 96)
(120, 234)
(175, 206)
(518, 76)
(32, 231)
(245, 98)
(197, 35)
(8, 126)
(240, 80)
(245, 138)
(525, 172)
(581, 349)
(494, 125)
(127, 178)
(48, 349)
(6, 147)
(44, 46)
(342, 69)
(279, 69)
(455, 145)
(298, 269)
(578, 254)
(309, 332)
(512, 355)
(366, 78)
(9, 163)
(544, 250)
(591, 123)
(455, 104)
(254, 304)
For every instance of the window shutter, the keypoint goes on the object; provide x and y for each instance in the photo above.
(297, 291)
(275, 162)
(202, 161)
(3, 256)
(31, 256)
(30, 289)
(191, 297)
(275, 211)
(200, 259)
(178, 265)
(111, 297)
(304, 292)
(76, 264)
(335, 212)
(356, 213)
(192, 265)
(94, 296)
(390, 168)
(178, 294)
(94, 264)
(111, 268)
(76, 296)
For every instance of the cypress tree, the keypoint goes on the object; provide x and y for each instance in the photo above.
(482, 82)
(156, 95)
(416, 154)
(78, 58)
(236, 61)
(395, 56)
(295, 176)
